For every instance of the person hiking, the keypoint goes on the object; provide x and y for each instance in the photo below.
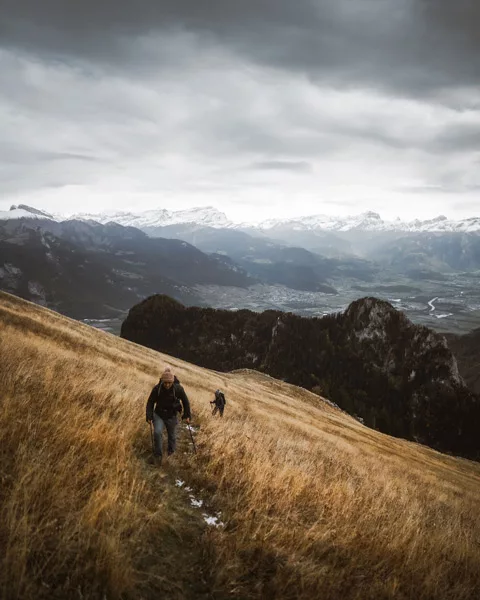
(166, 399)
(219, 402)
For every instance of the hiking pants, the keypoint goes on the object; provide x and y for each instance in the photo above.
(170, 424)
(219, 409)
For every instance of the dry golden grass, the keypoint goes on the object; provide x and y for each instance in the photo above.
(315, 504)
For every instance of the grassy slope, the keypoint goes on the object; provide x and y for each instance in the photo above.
(315, 504)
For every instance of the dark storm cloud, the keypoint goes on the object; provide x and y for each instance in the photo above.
(411, 46)
(458, 139)
(260, 101)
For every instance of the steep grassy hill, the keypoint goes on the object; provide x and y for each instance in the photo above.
(314, 504)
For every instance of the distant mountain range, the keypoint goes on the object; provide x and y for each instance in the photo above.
(211, 217)
(416, 248)
(87, 269)
(131, 256)
(425, 247)
(212, 255)
(206, 217)
(371, 221)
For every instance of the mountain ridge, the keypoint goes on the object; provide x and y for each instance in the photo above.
(371, 221)
(212, 217)
(202, 216)
(86, 269)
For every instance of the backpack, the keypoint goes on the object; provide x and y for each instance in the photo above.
(176, 406)
(220, 396)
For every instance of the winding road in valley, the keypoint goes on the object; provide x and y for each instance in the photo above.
(431, 305)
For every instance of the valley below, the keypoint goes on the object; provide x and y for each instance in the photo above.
(448, 306)
(95, 272)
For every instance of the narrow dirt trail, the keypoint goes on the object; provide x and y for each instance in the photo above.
(182, 545)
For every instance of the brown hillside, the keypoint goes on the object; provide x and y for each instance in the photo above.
(314, 504)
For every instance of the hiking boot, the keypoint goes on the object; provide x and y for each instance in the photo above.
(157, 461)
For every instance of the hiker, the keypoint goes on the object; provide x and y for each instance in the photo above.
(219, 402)
(166, 399)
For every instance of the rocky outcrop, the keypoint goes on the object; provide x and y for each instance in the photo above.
(371, 360)
(466, 349)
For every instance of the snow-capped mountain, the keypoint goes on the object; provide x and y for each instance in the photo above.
(23, 211)
(207, 216)
(371, 221)
(127, 219)
(211, 217)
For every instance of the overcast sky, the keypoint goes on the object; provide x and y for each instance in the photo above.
(262, 108)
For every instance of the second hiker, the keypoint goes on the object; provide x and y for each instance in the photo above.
(219, 402)
(167, 399)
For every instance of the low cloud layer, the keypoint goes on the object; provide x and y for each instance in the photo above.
(314, 106)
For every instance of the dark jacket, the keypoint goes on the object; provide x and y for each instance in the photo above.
(219, 400)
(166, 403)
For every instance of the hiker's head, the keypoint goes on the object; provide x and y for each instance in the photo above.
(167, 378)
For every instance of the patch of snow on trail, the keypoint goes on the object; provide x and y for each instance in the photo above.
(213, 521)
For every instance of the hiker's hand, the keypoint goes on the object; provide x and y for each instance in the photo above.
(187, 421)
(149, 420)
